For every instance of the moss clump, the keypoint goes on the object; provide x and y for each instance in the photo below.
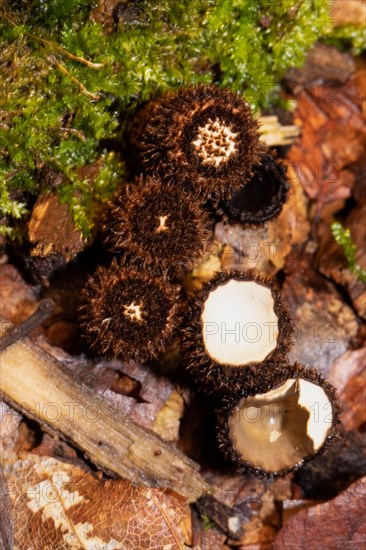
(348, 37)
(343, 237)
(69, 84)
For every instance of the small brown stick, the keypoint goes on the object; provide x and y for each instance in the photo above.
(73, 78)
(35, 320)
(230, 520)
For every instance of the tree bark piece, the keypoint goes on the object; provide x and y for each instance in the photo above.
(56, 240)
(42, 388)
(51, 229)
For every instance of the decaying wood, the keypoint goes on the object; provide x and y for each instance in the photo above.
(274, 134)
(51, 229)
(42, 388)
(348, 12)
(55, 239)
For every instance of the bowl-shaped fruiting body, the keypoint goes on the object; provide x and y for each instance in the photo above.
(204, 138)
(160, 225)
(284, 421)
(237, 329)
(260, 199)
(128, 314)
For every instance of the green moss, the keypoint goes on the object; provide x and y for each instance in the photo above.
(348, 37)
(343, 237)
(69, 84)
(207, 522)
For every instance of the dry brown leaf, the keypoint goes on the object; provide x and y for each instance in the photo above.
(324, 324)
(6, 528)
(321, 155)
(17, 299)
(334, 266)
(348, 375)
(333, 262)
(9, 426)
(360, 81)
(292, 507)
(106, 13)
(52, 446)
(259, 535)
(57, 505)
(335, 525)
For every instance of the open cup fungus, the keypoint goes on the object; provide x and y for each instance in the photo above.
(273, 431)
(237, 328)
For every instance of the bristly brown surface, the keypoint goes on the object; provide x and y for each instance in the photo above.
(278, 377)
(213, 377)
(162, 226)
(127, 314)
(204, 138)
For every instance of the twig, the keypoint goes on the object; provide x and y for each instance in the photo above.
(44, 310)
(73, 78)
(78, 133)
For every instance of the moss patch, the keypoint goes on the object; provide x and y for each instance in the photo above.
(69, 83)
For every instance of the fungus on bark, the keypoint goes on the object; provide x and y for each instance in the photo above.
(274, 428)
(159, 224)
(204, 138)
(261, 198)
(128, 314)
(237, 328)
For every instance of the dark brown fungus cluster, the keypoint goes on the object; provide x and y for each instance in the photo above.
(204, 138)
(159, 224)
(238, 329)
(129, 314)
(261, 198)
(202, 144)
(283, 422)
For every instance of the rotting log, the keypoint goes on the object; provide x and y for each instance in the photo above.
(43, 389)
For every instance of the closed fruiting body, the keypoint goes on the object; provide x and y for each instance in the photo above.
(128, 314)
(204, 138)
(237, 329)
(260, 199)
(158, 224)
(284, 421)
